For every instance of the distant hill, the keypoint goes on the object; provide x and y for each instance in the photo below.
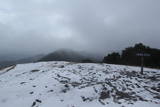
(64, 55)
(71, 56)
(59, 55)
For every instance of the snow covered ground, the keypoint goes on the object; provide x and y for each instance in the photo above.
(66, 84)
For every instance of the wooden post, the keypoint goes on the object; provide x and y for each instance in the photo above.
(142, 64)
(142, 55)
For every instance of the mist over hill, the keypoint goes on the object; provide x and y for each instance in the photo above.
(58, 55)
(70, 55)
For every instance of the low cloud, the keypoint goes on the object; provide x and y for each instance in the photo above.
(99, 26)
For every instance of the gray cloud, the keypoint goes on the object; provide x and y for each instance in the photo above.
(100, 26)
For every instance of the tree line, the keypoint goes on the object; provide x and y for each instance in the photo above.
(128, 56)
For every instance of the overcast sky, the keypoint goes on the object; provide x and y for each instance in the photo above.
(40, 26)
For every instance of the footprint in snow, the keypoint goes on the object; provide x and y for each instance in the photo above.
(36, 103)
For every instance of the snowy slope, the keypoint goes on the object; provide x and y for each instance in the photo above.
(65, 84)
